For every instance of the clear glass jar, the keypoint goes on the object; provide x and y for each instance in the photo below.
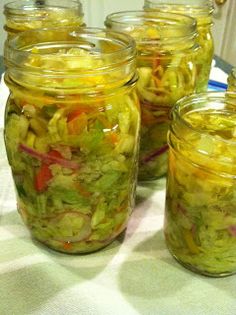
(200, 216)
(165, 58)
(71, 132)
(30, 14)
(232, 81)
(202, 11)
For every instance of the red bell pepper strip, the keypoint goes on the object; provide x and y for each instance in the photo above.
(44, 174)
(75, 114)
(42, 178)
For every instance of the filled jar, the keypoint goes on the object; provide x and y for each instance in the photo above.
(166, 51)
(29, 14)
(202, 11)
(72, 133)
(200, 215)
(232, 80)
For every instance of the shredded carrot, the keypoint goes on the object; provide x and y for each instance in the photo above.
(157, 81)
(112, 137)
(67, 245)
(156, 61)
(83, 191)
(77, 124)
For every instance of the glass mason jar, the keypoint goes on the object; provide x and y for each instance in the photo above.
(232, 81)
(202, 11)
(71, 132)
(30, 14)
(200, 216)
(165, 58)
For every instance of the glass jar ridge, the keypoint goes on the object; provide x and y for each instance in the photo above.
(36, 55)
(29, 14)
(169, 29)
(200, 215)
(201, 10)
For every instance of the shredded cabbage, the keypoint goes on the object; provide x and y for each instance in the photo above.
(203, 16)
(163, 79)
(74, 162)
(200, 219)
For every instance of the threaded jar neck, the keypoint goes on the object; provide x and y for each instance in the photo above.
(68, 58)
(29, 7)
(201, 10)
(159, 30)
(30, 14)
(203, 130)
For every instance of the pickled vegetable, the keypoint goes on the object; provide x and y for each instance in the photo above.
(200, 218)
(167, 72)
(73, 151)
(202, 11)
(162, 81)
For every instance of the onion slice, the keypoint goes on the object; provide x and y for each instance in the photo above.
(154, 154)
(46, 158)
(232, 230)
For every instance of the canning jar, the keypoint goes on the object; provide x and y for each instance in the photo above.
(202, 11)
(232, 80)
(30, 14)
(71, 132)
(166, 51)
(200, 216)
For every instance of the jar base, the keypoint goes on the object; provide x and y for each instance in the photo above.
(79, 248)
(199, 271)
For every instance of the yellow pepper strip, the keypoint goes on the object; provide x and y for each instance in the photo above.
(38, 126)
(188, 237)
(112, 137)
(30, 139)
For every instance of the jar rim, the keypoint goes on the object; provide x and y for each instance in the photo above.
(197, 11)
(218, 99)
(205, 6)
(16, 7)
(82, 57)
(125, 43)
(162, 21)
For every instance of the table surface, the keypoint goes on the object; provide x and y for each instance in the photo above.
(134, 275)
